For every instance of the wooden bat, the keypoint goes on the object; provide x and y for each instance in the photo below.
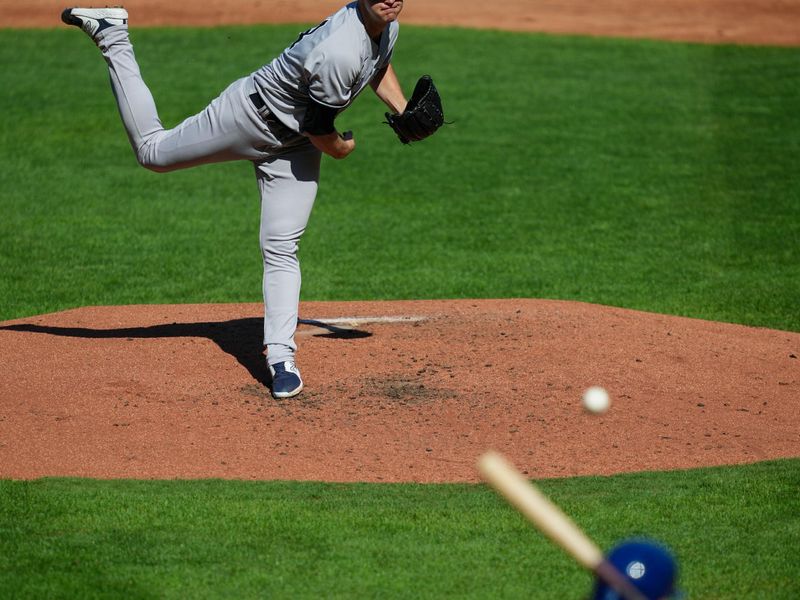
(551, 521)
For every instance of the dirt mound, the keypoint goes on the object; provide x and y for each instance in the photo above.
(395, 391)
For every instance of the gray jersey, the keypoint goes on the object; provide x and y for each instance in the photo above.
(331, 63)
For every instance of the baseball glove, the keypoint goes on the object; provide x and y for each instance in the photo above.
(423, 115)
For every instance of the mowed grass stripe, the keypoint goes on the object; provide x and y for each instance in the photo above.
(649, 175)
(732, 528)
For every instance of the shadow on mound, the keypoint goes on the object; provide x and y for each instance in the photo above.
(241, 338)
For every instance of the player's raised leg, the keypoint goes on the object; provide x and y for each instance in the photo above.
(288, 185)
(227, 129)
(108, 28)
(95, 20)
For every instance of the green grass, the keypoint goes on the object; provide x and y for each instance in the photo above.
(649, 175)
(656, 176)
(733, 530)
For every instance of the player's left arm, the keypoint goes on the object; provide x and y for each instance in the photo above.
(387, 88)
(415, 119)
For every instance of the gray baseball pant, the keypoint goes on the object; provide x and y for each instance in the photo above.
(229, 128)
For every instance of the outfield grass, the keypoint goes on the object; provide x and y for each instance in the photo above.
(732, 528)
(656, 176)
(649, 175)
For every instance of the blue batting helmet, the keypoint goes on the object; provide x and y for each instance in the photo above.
(649, 566)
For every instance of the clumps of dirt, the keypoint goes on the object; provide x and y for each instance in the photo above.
(405, 390)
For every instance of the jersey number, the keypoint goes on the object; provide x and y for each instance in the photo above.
(305, 33)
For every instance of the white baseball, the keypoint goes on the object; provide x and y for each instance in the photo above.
(596, 400)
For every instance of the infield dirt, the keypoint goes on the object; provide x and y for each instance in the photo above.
(178, 392)
(735, 21)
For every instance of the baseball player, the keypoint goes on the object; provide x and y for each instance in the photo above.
(281, 117)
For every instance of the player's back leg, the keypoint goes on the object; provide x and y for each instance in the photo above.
(228, 129)
(95, 20)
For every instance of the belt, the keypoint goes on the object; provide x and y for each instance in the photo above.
(278, 129)
(258, 101)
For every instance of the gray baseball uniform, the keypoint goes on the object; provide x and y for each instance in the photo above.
(260, 118)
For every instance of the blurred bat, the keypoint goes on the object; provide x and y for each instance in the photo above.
(552, 522)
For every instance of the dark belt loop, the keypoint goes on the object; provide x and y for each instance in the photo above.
(278, 129)
(258, 101)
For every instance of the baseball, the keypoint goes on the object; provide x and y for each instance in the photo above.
(596, 400)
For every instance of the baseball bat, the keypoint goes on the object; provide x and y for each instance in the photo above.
(551, 521)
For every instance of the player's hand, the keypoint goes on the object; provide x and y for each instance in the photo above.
(348, 142)
(334, 144)
(422, 116)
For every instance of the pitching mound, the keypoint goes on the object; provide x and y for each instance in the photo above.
(395, 391)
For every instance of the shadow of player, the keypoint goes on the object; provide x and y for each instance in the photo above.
(240, 338)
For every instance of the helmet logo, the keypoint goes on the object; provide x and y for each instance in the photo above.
(635, 570)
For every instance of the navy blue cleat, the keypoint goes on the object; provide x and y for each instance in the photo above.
(95, 20)
(286, 380)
